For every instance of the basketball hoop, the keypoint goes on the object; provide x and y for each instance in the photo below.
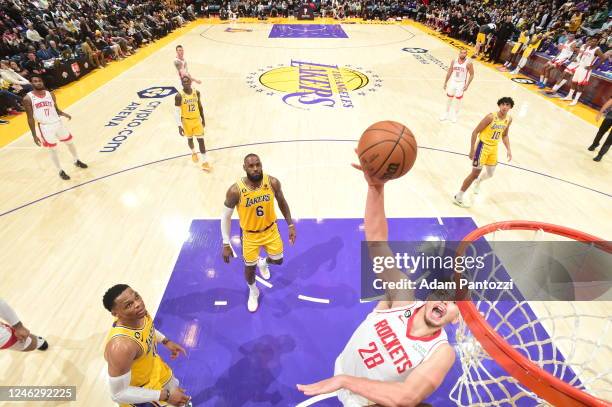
(548, 367)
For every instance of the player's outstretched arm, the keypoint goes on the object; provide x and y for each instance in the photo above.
(27, 105)
(470, 68)
(178, 99)
(506, 140)
(423, 381)
(284, 207)
(200, 108)
(231, 200)
(377, 236)
(59, 112)
(449, 73)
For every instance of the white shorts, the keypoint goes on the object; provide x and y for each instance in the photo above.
(8, 340)
(348, 398)
(50, 134)
(455, 89)
(558, 63)
(571, 68)
(582, 76)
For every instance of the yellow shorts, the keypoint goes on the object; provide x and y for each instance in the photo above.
(192, 127)
(517, 47)
(485, 154)
(269, 239)
(481, 38)
(528, 51)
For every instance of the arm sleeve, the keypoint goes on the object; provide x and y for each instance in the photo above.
(7, 313)
(159, 336)
(123, 393)
(177, 116)
(226, 222)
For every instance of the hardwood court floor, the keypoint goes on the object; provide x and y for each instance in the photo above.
(126, 217)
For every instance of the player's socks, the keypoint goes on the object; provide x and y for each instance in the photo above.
(41, 343)
(264, 270)
(80, 164)
(569, 95)
(575, 102)
(253, 301)
(541, 78)
(55, 158)
(559, 85)
(63, 175)
(477, 185)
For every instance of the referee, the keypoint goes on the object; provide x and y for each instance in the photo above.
(605, 126)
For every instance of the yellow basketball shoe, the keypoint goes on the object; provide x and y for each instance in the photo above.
(206, 166)
(194, 157)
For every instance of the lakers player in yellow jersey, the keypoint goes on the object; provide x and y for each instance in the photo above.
(137, 374)
(483, 146)
(254, 197)
(517, 49)
(189, 116)
(534, 44)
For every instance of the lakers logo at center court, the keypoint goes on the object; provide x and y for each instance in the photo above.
(308, 85)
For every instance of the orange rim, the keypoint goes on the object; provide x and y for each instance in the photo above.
(545, 385)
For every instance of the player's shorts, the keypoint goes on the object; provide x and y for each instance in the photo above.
(582, 76)
(455, 89)
(517, 47)
(558, 63)
(528, 51)
(571, 68)
(269, 239)
(170, 385)
(348, 398)
(485, 154)
(481, 38)
(50, 134)
(7, 336)
(193, 127)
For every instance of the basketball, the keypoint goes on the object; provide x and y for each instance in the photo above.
(387, 150)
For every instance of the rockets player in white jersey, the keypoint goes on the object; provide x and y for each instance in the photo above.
(399, 354)
(558, 62)
(458, 78)
(15, 336)
(586, 64)
(570, 68)
(45, 123)
(181, 65)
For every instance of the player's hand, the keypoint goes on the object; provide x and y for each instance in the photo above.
(227, 253)
(324, 386)
(509, 154)
(292, 234)
(178, 397)
(471, 155)
(21, 332)
(199, 82)
(444, 87)
(67, 116)
(466, 87)
(598, 117)
(181, 131)
(36, 140)
(375, 182)
(175, 349)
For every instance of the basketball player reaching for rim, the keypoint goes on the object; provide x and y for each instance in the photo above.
(483, 147)
(181, 65)
(46, 126)
(137, 374)
(399, 354)
(456, 83)
(254, 198)
(189, 116)
(15, 336)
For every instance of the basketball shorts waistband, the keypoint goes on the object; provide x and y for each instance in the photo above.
(262, 230)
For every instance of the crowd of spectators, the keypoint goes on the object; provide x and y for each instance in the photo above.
(553, 19)
(39, 35)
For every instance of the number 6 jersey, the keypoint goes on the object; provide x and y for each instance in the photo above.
(256, 206)
(381, 348)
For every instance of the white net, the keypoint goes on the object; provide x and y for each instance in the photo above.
(572, 340)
